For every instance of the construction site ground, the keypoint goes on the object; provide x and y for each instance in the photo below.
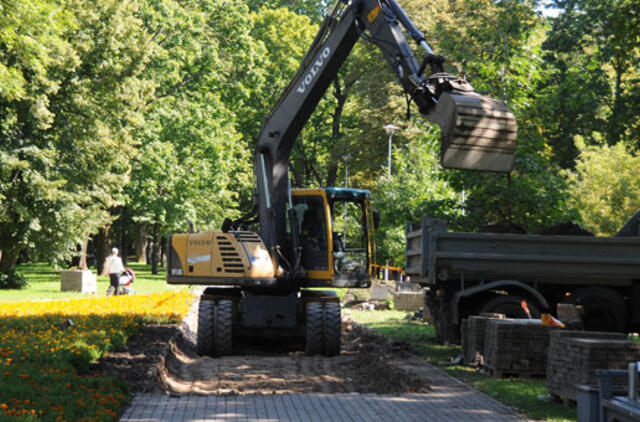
(373, 379)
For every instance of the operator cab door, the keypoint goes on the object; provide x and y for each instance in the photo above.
(312, 211)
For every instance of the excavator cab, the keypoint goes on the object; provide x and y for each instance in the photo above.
(336, 227)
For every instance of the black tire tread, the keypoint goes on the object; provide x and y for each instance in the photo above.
(205, 334)
(313, 340)
(605, 309)
(223, 333)
(331, 329)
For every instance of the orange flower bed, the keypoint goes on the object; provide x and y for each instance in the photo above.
(46, 349)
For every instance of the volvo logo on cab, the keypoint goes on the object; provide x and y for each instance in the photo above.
(311, 74)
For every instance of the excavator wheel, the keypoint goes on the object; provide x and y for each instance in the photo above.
(331, 328)
(314, 338)
(223, 336)
(478, 132)
(206, 321)
(215, 324)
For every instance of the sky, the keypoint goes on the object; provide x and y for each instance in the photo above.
(548, 11)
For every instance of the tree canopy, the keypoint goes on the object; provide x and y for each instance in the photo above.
(144, 114)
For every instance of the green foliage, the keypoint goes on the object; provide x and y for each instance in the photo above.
(150, 110)
(118, 340)
(605, 186)
(81, 355)
(415, 189)
(12, 280)
(73, 96)
(593, 84)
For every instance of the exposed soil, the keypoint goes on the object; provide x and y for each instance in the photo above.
(136, 367)
(163, 358)
(275, 368)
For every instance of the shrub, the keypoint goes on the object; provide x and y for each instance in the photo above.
(81, 356)
(12, 280)
(119, 341)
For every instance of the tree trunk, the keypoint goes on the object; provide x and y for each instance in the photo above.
(332, 175)
(155, 245)
(83, 255)
(341, 97)
(141, 243)
(9, 260)
(163, 248)
(102, 246)
(122, 235)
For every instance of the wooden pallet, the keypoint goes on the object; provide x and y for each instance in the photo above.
(511, 373)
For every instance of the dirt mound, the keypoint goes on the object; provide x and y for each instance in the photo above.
(136, 367)
(566, 229)
(503, 227)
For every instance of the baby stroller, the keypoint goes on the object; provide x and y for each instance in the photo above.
(126, 279)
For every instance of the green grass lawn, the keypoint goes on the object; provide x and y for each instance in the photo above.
(44, 283)
(528, 396)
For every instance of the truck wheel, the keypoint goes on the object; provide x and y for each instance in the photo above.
(510, 306)
(313, 342)
(604, 309)
(205, 334)
(223, 332)
(331, 329)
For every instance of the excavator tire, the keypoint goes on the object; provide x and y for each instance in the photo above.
(206, 332)
(478, 132)
(331, 329)
(223, 332)
(313, 341)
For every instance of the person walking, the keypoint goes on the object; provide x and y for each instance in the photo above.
(113, 266)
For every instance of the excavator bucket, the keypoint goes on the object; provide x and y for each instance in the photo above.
(478, 132)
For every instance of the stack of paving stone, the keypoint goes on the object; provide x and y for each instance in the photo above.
(575, 355)
(407, 301)
(516, 347)
(473, 335)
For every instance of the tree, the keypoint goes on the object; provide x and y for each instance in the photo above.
(605, 186)
(415, 189)
(70, 94)
(192, 164)
(593, 48)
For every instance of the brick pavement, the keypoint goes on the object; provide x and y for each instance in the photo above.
(441, 405)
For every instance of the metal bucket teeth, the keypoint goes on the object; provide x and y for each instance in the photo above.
(478, 133)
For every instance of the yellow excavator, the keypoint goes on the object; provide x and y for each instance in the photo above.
(259, 283)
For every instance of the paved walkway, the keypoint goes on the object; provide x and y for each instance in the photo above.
(442, 404)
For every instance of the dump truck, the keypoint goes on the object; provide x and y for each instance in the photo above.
(466, 274)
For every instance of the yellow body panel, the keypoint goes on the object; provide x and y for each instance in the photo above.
(218, 254)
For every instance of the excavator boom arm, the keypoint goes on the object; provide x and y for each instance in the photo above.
(472, 131)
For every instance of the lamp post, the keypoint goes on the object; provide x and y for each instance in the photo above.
(390, 128)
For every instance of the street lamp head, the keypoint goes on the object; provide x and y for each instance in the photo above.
(390, 129)
(346, 157)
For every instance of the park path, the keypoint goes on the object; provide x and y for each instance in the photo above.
(301, 394)
(448, 400)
